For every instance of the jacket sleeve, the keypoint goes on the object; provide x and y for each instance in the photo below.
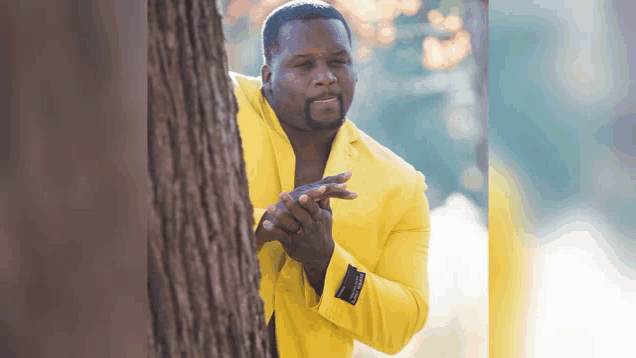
(393, 301)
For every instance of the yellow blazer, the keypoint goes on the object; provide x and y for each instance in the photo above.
(383, 233)
(507, 277)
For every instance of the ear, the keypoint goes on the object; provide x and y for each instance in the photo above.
(266, 77)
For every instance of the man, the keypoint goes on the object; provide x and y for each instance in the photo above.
(331, 272)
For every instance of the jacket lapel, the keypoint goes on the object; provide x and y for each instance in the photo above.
(343, 153)
(283, 151)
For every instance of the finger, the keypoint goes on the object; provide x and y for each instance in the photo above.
(329, 189)
(344, 194)
(322, 190)
(310, 189)
(311, 206)
(282, 220)
(273, 231)
(335, 187)
(315, 189)
(278, 235)
(340, 178)
(298, 212)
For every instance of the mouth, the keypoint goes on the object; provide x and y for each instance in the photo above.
(325, 113)
(328, 100)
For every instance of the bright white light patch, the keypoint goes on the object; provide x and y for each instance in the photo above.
(585, 306)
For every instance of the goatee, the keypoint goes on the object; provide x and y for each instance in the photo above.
(315, 125)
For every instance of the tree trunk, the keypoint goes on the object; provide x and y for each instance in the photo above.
(72, 179)
(477, 24)
(203, 270)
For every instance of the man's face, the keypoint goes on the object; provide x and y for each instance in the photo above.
(311, 80)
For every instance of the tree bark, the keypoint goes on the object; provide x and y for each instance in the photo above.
(203, 270)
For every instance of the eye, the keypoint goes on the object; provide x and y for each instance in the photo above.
(339, 62)
(304, 64)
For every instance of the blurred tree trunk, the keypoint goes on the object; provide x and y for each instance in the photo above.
(73, 179)
(477, 24)
(203, 270)
(623, 123)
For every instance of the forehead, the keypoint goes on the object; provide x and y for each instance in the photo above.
(318, 36)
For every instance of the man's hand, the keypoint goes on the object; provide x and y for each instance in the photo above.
(312, 240)
(303, 224)
(328, 187)
(312, 245)
(332, 186)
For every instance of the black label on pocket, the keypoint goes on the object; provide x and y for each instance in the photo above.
(351, 286)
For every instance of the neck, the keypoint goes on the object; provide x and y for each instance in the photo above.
(310, 144)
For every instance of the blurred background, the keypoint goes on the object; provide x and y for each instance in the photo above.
(562, 122)
(421, 94)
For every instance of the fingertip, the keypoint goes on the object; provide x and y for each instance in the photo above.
(267, 225)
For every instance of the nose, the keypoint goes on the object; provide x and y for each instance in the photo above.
(324, 77)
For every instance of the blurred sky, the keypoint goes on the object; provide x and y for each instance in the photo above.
(562, 122)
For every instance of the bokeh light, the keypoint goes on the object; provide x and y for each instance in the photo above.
(461, 124)
(473, 179)
(445, 54)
